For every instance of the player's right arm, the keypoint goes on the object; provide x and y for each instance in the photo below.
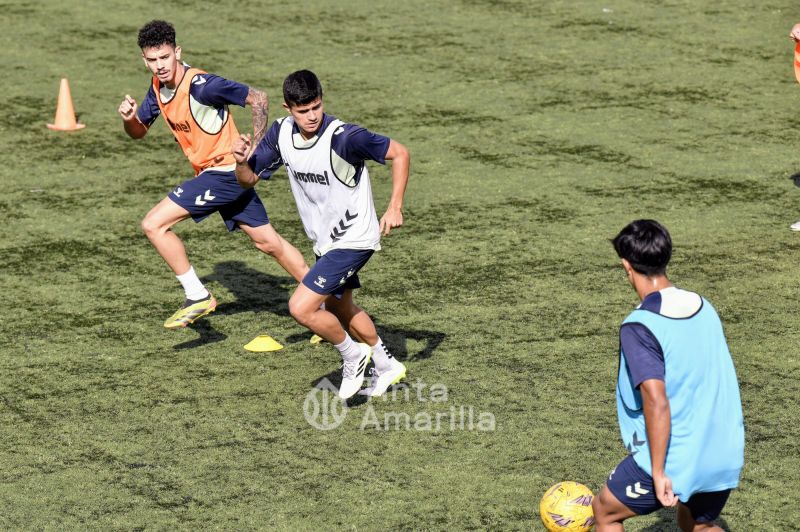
(795, 33)
(133, 126)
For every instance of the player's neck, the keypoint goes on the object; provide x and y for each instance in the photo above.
(645, 286)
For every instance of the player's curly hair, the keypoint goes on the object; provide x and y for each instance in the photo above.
(301, 87)
(646, 244)
(155, 33)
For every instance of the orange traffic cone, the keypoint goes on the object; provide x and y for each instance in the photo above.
(65, 113)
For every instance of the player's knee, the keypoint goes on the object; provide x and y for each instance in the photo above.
(597, 508)
(601, 509)
(298, 312)
(149, 226)
(269, 246)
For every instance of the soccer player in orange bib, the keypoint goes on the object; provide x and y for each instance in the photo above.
(195, 104)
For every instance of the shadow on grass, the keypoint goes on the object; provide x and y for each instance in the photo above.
(333, 380)
(396, 341)
(668, 522)
(207, 335)
(254, 291)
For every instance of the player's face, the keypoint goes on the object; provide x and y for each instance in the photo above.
(164, 62)
(308, 117)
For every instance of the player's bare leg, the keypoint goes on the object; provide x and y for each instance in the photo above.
(157, 226)
(609, 512)
(388, 370)
(267, 240)
(353, 318)
(304, 306)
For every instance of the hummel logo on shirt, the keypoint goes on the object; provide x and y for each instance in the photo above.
(311, 177)
(180, 126)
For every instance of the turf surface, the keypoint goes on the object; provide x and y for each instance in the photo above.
(537, 130)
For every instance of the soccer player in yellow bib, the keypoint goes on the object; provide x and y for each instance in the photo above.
(195, 104)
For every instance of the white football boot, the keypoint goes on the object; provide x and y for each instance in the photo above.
(381, 380)
(353, 372)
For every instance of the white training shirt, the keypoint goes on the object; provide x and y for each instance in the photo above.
(336, 210)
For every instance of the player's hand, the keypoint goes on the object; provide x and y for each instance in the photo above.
(795, 33)
(663, 486)
(391, 219)
(241, 148)
(127, 109)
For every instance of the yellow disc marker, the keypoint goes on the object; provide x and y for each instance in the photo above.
(262, 343)
(316, 339)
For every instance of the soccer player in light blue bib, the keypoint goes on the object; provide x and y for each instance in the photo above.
(678, 403)
(325, 159)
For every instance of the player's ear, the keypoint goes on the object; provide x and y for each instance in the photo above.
(627, 266)
(286, 106)
(178, 53)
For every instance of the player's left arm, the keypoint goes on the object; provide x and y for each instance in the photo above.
(401, 163)
(259, 103)
(658, 423)
(211, 89)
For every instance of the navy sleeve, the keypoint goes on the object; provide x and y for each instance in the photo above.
(217, 91)
(643, 353)
(148, 110)
(356, 144)
(266, 158)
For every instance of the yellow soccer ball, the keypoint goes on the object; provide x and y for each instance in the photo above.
(567, 506)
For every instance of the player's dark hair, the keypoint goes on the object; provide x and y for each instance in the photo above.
(155, 33)
(646, 245)
(301, 87)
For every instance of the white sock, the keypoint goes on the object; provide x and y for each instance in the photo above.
(349, 349)
(192, 286)
(381, 356)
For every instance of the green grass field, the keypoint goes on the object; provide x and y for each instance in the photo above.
(537, 130)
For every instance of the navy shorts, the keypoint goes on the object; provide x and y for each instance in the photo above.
(214, 191)
(634, 488)
(337, 271)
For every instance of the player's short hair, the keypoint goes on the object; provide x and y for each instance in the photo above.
(646, 245)
(301, 87)
(155, 33)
